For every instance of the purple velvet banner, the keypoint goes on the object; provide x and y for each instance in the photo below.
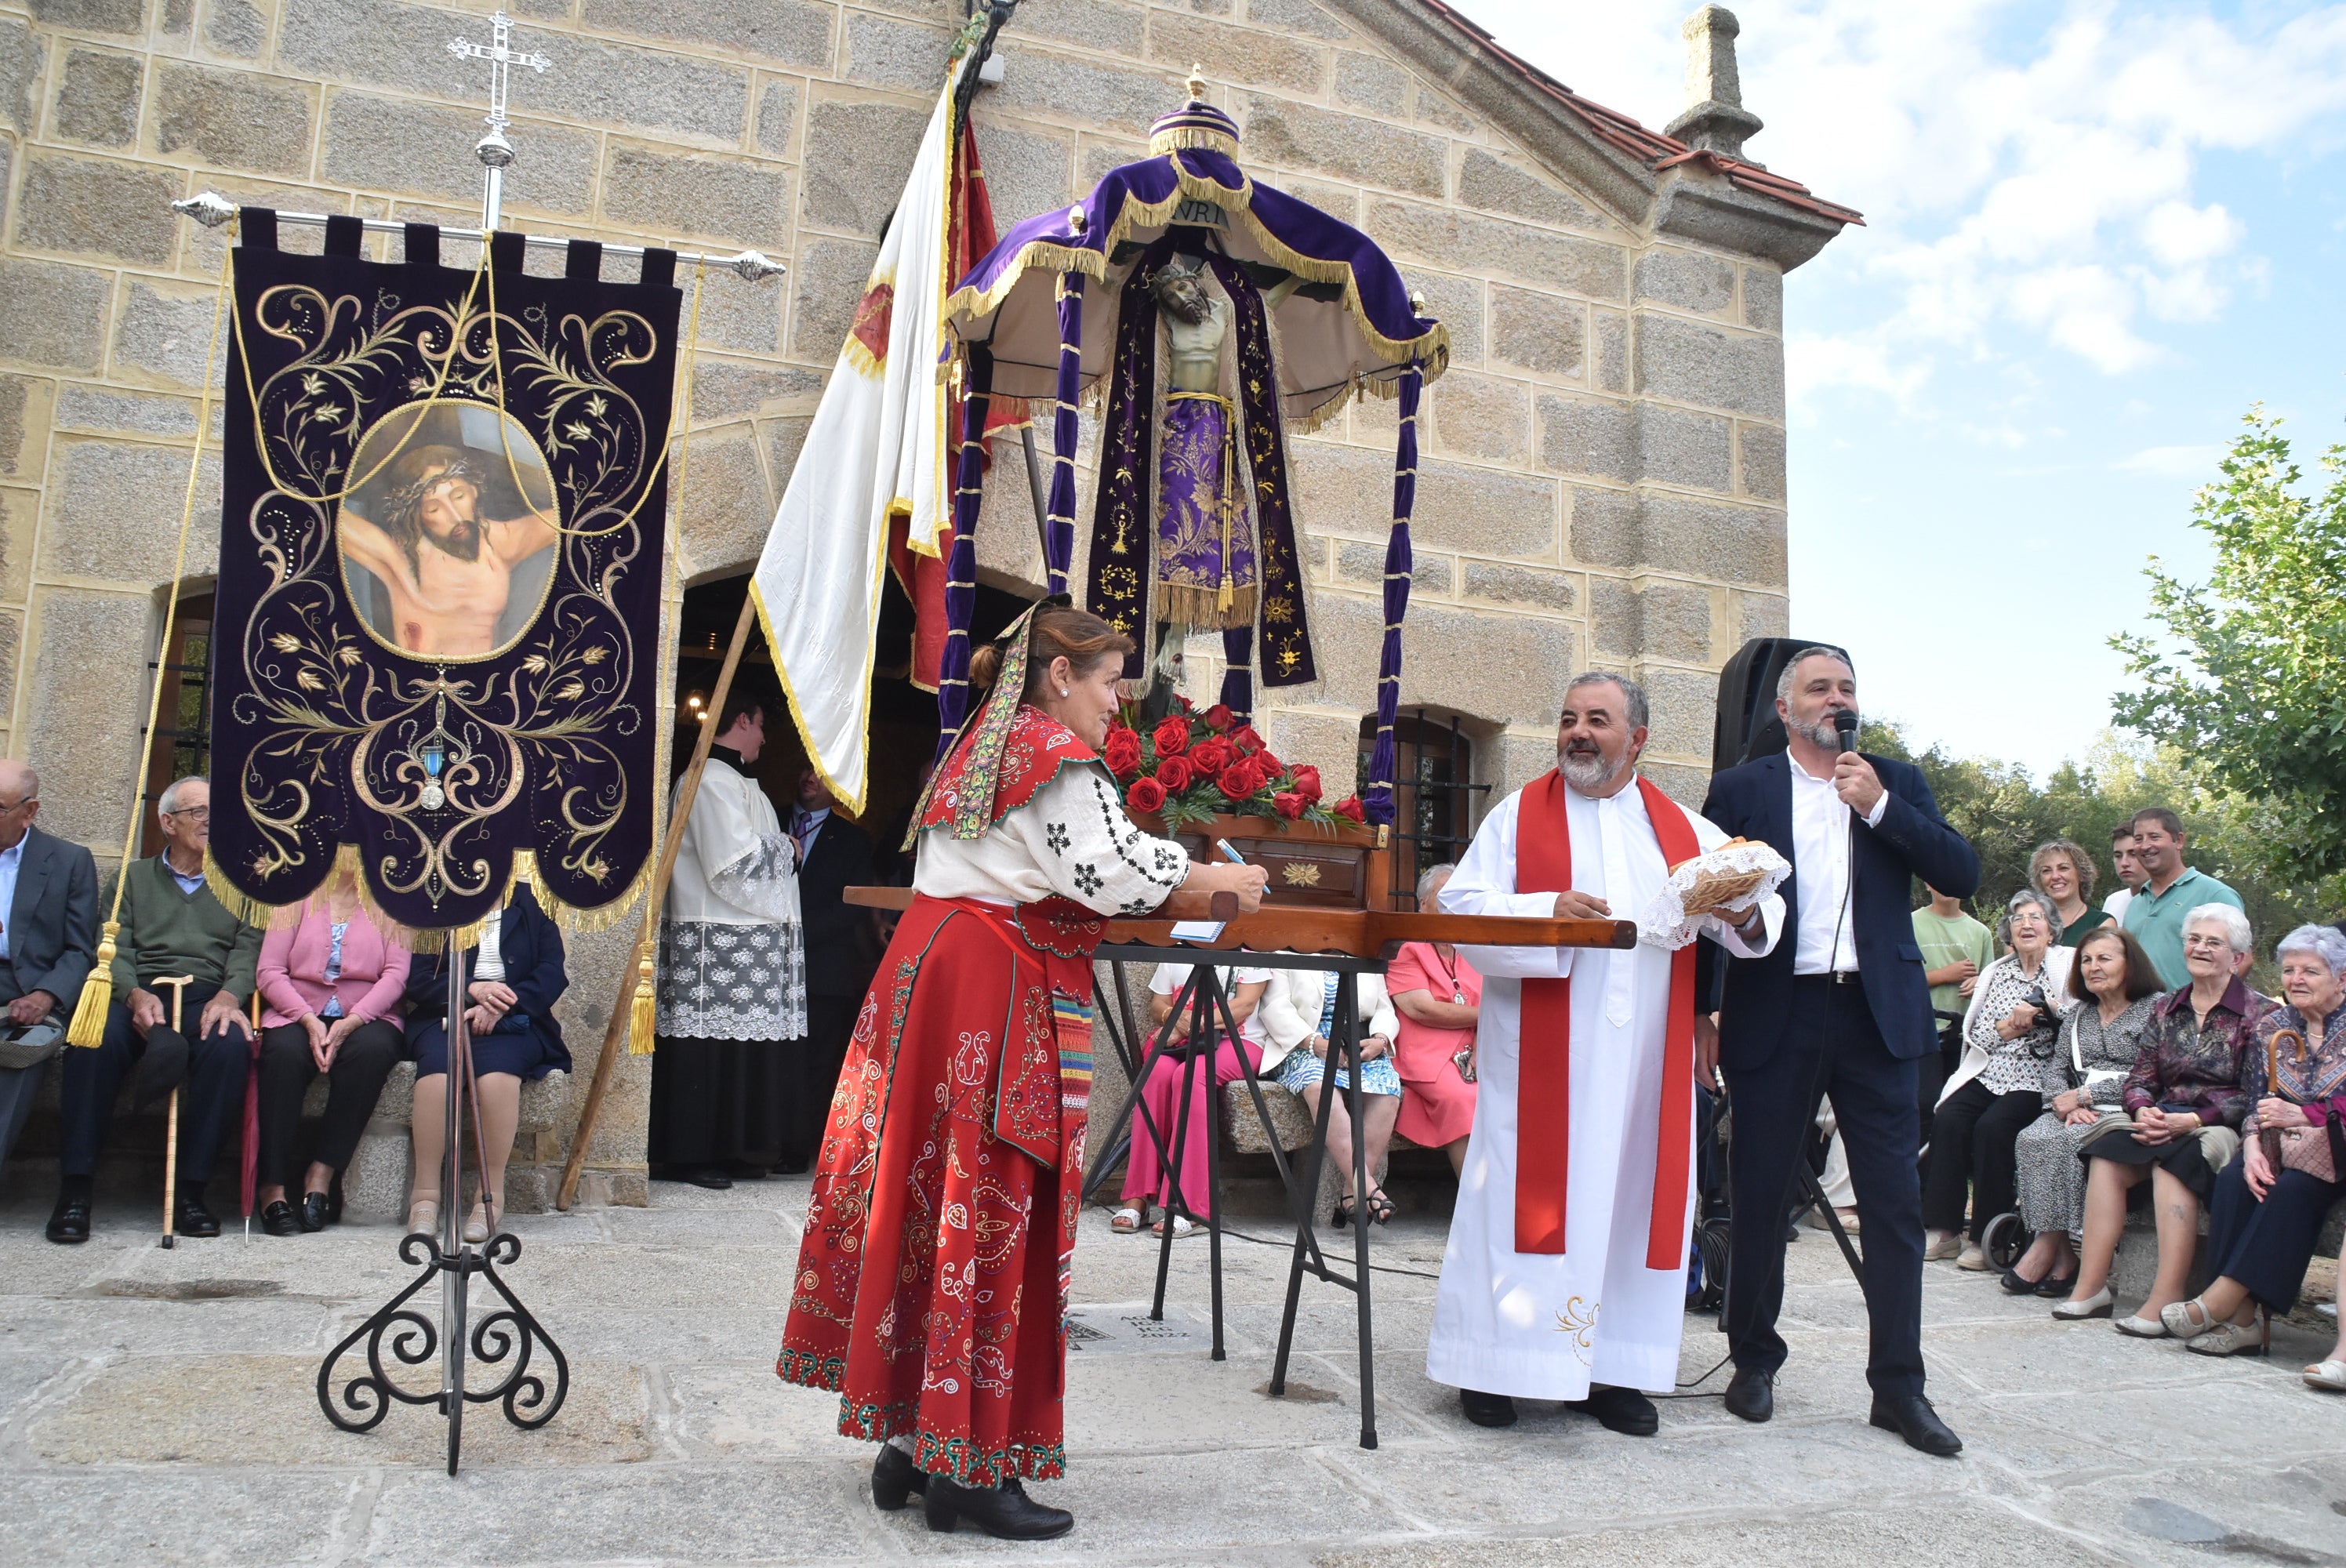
(961, 565)
(1123, 513)
(1286, 628)
(1238, 673)
(1059, 524)
(1377, 799)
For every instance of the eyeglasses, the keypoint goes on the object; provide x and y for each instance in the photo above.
(192, 814)
(19, 805)
(2205, 942)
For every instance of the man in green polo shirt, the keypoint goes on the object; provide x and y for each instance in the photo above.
(2156, 912)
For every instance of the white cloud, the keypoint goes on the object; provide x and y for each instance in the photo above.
(2026, 171)
(2178, 462)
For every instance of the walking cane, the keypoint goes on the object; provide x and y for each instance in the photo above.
(179, 985)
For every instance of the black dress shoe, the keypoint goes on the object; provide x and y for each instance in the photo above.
(1751, 1394)
(70, 1226)
(1623, 1411)
(1911, 1418)
(894, 1478)
(1004, 1511)
(195, 1219)
(2016, 1285)
(2055, 1289)
(315, 1211)
(1488, 1409)
(278, 1218)
(709, 1176)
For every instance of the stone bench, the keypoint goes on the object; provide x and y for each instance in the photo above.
(374, 1184)
(1242, 1129)
(2132, 1270)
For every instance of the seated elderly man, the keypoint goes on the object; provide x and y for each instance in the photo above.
(171, 926)
(48, 931)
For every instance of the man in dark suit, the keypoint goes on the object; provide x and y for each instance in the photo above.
(48, 931)
(1840, 1007)
(842, 951)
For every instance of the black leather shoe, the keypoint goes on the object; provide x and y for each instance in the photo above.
(195, 1219)
(1623, 1411)
(70, 1226)
(894, 1478)
(2054, 1289)
(709, 1176)
(1004, 1511)
(1751, 1394)
(315, 1211)
(1488, 1409)
(278, 1218)
(2014, 1285)
(1911, 1418)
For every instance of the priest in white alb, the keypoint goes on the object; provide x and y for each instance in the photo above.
(1564, 1277)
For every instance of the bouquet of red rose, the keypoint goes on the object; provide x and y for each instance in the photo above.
(1194, 765)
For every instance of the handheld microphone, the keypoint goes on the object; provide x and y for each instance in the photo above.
(1845, 727)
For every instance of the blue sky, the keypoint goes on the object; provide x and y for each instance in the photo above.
(2097, 233)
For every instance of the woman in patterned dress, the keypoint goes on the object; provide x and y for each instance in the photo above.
(931, 1285)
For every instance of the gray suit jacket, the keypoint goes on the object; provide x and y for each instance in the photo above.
(52, 921)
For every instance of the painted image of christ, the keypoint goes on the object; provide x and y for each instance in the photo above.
(447, 548)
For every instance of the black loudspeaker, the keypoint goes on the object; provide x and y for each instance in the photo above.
(1748, 727)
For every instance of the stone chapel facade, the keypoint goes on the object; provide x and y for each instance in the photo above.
(1603, 476)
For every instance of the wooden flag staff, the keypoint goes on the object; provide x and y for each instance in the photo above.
(639, 975)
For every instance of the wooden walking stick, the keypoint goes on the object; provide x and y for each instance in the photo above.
(638, 975)
(178, 984)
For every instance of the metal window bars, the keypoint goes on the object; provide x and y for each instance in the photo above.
(1433, 800)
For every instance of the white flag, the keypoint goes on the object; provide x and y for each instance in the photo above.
(878, 446)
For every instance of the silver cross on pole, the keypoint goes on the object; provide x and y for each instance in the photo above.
(493, 150)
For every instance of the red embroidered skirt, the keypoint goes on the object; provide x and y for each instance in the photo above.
(931, 1291)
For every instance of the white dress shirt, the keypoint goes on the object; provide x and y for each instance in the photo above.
(12, 861)
(1821, 864)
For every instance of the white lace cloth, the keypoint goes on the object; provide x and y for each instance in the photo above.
(1664, 923)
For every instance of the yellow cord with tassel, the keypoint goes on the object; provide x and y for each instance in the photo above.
(88, 1026)
(643, 1013)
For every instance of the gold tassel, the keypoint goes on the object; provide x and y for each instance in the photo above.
(88, 1026)
(643, 1013)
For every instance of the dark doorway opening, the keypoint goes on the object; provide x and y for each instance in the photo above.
(181, 745)
(904, 735)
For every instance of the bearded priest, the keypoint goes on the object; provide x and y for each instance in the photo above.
(1564, 1277)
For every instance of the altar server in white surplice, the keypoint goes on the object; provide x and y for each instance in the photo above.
(1564, 1277)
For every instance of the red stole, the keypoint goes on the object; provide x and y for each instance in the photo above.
(1544, 1093)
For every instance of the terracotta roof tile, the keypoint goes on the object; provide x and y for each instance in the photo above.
(1650, 148)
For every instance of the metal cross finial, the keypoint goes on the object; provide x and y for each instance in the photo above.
(493, 150)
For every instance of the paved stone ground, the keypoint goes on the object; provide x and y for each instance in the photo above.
(157, 1408)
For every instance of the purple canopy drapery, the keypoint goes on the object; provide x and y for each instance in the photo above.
(1350, 326)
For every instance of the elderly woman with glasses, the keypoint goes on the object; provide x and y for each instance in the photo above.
(2009, 1034)
(2270, 1202)
(2184, 1100)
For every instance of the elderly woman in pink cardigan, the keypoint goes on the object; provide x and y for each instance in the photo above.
(332, 987)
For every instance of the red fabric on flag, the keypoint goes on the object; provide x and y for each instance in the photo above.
(1543, 1164)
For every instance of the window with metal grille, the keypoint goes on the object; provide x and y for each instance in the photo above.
(1433, 798)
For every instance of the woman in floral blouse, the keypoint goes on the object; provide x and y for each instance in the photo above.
(2009, 1034)
(2185, 1102)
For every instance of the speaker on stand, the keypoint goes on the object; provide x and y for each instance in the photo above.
(1748, 727)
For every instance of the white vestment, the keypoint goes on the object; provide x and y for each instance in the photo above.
(733, 962)
(1544, 1326)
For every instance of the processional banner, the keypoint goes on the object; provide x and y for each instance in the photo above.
(436, 645)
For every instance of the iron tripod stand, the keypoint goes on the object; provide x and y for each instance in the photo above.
(510, 1331)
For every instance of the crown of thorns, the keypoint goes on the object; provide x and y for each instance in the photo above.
(408, 499)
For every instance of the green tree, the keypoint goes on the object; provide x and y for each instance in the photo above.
(2252, 688)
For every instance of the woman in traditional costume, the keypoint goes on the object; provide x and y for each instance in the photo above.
(931, 1285)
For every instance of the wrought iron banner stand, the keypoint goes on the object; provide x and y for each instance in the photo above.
(412, 1338)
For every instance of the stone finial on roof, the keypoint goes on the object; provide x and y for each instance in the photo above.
(1715, 119)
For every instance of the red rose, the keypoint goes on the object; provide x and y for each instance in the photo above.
(1239, 781)
(1350, 806)
(1176, 774)
(1213, 754)
(1217, 718)
(1246, 739)
(1122, 752)
(1289, 804)
(1146, 795)
(1272, 767)
(1307, 782)
(1172, 737)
